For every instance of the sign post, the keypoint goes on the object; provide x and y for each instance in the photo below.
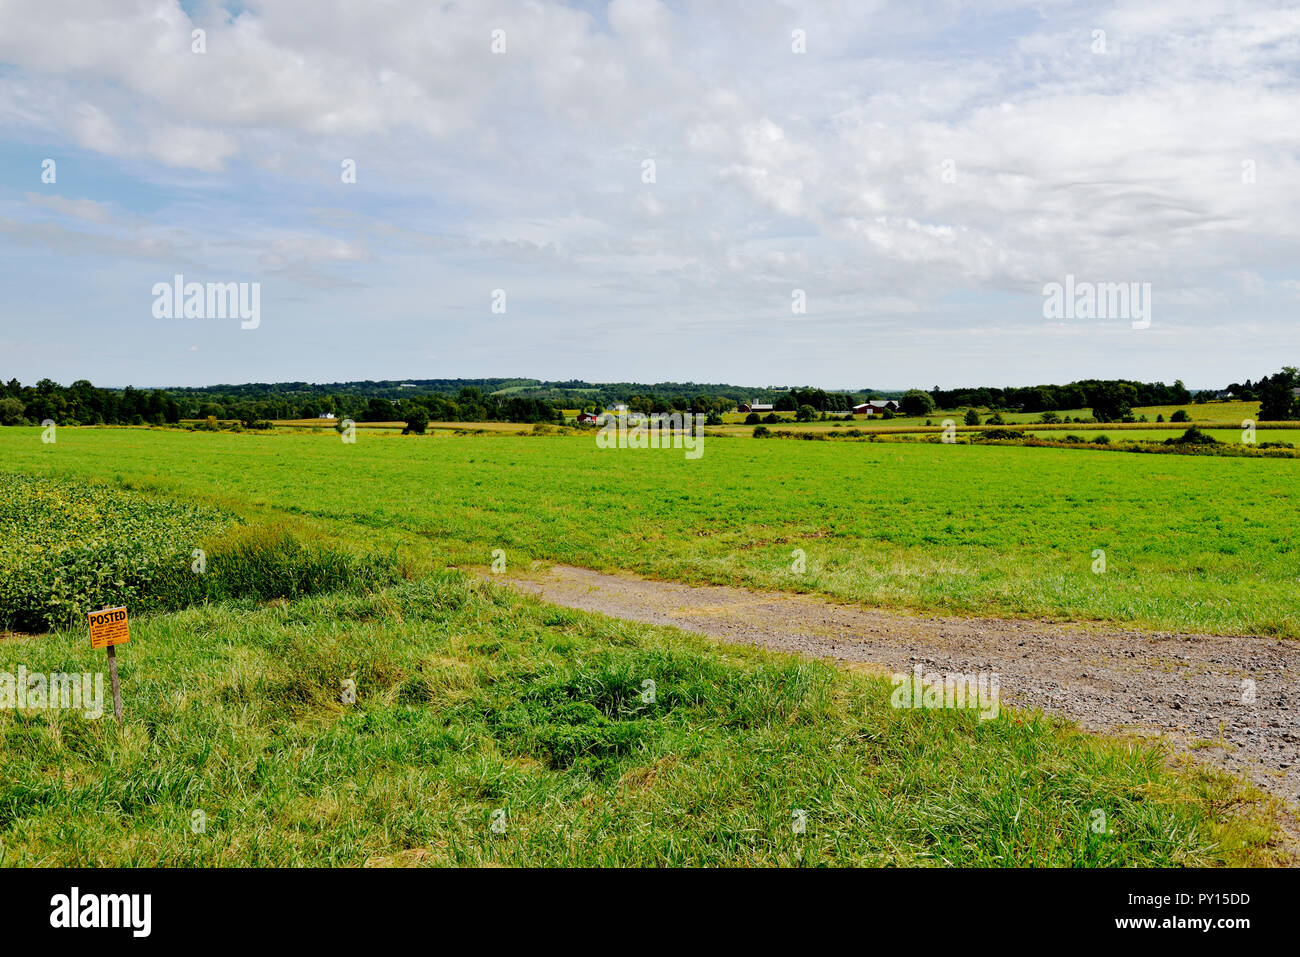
(109, 627)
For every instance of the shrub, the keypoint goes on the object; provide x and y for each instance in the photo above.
(753, 418)
(1180, 416)
(1101, 440)
(996, 434)
(66, 549)
(761, 431)
(1193, 436)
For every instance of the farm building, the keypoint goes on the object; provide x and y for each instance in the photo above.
(586, 418)
(875, 407)
(754, 407)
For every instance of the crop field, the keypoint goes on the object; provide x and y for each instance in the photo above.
(1208, 544)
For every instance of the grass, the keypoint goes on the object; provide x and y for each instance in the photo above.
(1192, 543)
(238, 749)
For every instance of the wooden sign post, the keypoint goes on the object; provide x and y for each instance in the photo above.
(109, 627)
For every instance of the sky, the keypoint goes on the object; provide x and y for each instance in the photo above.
(649, 191)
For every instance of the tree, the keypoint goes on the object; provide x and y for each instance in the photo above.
(972, 417)
(1180, 415)
(1277, 399)
(417, 424)
(11, 412)
(806, 413)
(916, 402)
(1112, 401)
(753, 418)
(379, 410)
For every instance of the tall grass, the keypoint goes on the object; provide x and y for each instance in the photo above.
(474, 704)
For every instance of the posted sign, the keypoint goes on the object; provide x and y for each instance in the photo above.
(108, 627)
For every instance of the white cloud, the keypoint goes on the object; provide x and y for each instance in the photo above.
(825, 170)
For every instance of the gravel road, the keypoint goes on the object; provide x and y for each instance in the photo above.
(1193, 690)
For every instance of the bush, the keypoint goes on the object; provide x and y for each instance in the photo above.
(1101, 440)
(996, 434)
(753, 418)
(1180, 416)
(1193, 436)
(972, 417)
(67, 549)
(761, 431)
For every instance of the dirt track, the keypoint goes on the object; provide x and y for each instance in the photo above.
(1188, 688)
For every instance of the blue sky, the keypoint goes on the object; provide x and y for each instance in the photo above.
(921, 171)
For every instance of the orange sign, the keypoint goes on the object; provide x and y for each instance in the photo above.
(108, 626)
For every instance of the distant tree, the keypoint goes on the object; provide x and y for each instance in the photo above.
(806, 413)
(1277, 400)
(916, 402)
(379, 410)
(1180, 415)
(1049, 418)
(753, 418)
(972, 417)
(1112, 401)
(417, 424)
(11, 412)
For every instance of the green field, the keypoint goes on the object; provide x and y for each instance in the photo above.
(1192, 543)
(474, 704)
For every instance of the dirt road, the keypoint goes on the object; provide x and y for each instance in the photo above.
(1236, 701)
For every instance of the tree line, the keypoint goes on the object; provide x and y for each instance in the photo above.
(532, 401)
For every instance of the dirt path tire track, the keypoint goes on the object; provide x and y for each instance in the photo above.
(1186, 688)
